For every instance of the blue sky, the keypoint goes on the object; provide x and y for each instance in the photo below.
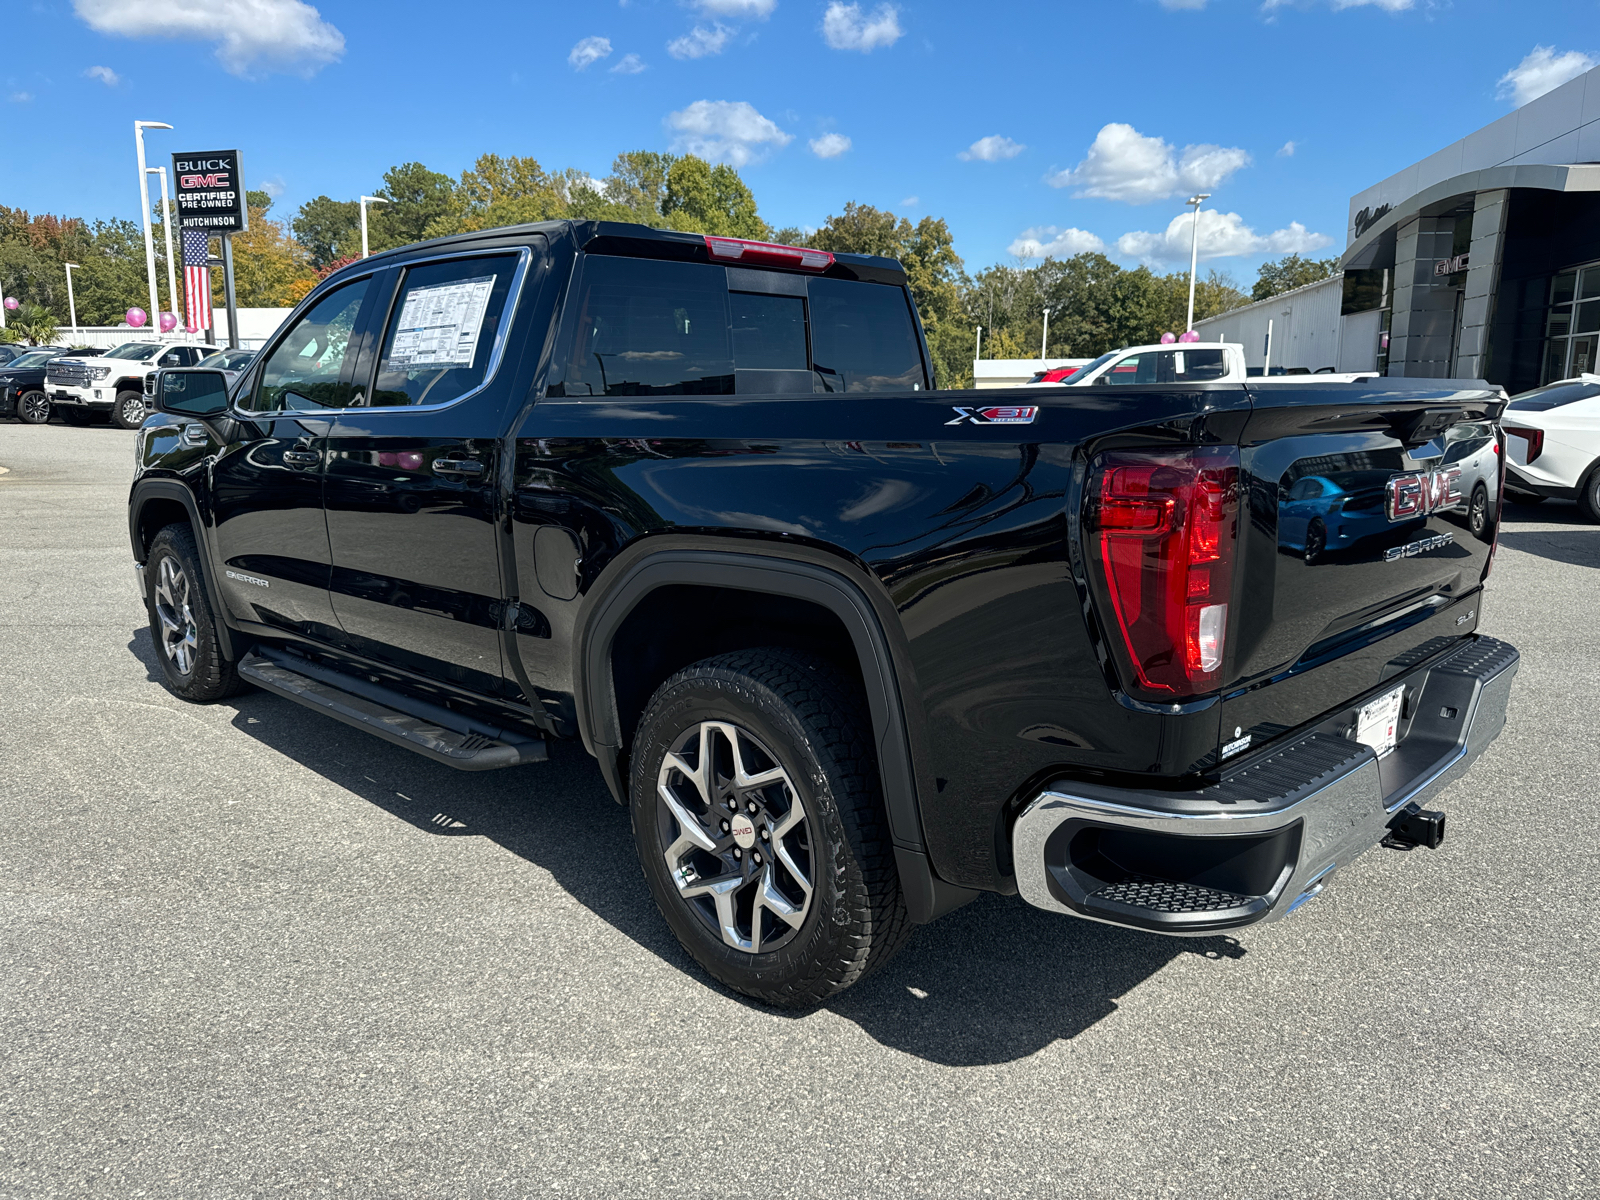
(1025, 125)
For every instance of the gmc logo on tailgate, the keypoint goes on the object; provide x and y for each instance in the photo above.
(1418, 494)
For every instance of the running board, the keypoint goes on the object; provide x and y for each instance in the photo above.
(443, 735)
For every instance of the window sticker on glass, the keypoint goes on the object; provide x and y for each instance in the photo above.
(439, 325)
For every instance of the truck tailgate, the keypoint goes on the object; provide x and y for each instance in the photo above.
(1361, 555)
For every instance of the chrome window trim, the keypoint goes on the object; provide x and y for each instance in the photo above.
(502, 336)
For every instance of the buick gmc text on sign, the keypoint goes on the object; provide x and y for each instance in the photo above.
(210, 187)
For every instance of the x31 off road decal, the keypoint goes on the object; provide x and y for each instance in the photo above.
(995, 416)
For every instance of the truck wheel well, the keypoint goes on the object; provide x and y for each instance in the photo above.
(679, 624)
(155, 516)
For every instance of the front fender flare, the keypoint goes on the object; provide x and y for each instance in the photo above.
(146, 490)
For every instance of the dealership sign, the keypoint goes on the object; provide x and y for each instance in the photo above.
(1449, 266)
(210, 188)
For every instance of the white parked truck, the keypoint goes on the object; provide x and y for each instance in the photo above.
(113, 383)
(1181, 362)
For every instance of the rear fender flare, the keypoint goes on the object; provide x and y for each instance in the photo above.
(609, 605)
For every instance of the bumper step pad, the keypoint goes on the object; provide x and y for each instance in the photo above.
(1166, 896)
(440, 734)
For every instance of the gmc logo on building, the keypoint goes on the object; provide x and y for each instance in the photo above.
(1418, 494)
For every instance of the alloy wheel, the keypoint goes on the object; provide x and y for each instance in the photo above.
(133, 410)
(34, 408)
(179, 634)
(738, 841)
(1478, 517)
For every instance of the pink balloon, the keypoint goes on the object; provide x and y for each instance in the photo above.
(12, 303)
(191, 329)
(1189, 335)
(1168, 338)
(137, 317)
(167, 321)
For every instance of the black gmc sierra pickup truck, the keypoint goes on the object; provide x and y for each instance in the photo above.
(851, 649)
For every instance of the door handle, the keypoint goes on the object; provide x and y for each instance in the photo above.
(457, 466)
(302, 458)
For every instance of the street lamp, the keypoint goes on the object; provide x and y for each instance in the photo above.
(366, 200)
(166, 228)
(72, 307)
(1194, 253)
(1044, 338)
(144, 210)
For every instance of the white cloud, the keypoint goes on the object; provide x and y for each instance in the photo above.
(1543, 70)
(629, 64)
(910, 202)
(273, 187)
(700, 41)
(1174, 5)
(758, 9)
(1286, 150)
(991, 149)
(104, 74)
(251, 35)
(844, 28)
(1123, 164)
(728, 131)
(589, 51)
(829, 145)
(21, 97)
(1222, 235)
(1046, 241)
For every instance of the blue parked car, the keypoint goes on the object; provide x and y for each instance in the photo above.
(1320, 514)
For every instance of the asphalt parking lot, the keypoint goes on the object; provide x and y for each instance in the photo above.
(249, 952)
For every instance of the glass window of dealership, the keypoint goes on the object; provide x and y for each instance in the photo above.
(1483, 260)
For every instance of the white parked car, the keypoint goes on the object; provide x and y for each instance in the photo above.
(1183, 362)
(1553, 444)
(113, 383)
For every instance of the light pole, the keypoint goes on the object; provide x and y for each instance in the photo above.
(72, 307)
(1044, 338)
(1194, 253)
(144, 211)
(366, 200)
(166, 229)
(977, 350)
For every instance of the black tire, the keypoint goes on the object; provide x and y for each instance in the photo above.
(1589, 495)
(1479, 520)
(33, 408)
(1316, 541)
(129, 410)
(185, 633)
(793, 711)
(73, 415)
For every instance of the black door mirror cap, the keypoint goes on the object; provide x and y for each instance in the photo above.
(192, 392)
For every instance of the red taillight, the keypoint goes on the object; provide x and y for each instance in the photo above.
(768, 254)
(1163, 527)
(1534, 438)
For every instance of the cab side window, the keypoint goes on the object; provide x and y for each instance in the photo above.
(172, 358)
(442, 330)
(1136, 368)
(304, 369)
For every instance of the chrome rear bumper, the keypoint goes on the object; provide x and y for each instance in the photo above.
(1264, 840)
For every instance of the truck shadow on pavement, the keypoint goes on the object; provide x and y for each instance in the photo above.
(1574, 547)
(992, 982)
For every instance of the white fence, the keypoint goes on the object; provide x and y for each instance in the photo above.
(256, 327)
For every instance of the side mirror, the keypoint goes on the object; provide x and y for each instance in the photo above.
(192, 392)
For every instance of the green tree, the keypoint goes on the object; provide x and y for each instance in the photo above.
(638, 183)
(1290, 272)
(270, 268)
(422, 204)
(329, 229)
(700, 198)
(1215, 292)
(34, 322)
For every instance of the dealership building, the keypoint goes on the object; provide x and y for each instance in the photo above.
(1482, 261)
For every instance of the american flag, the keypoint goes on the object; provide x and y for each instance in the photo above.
(196, 279)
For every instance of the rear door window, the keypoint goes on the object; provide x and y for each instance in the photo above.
(443, 328)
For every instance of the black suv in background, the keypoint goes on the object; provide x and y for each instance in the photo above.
(851, 649)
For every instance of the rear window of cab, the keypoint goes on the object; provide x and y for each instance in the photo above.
(644, 327)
